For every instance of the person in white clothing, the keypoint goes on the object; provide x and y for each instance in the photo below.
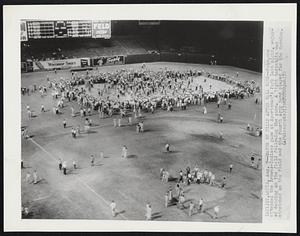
(141, 124)
(72, 112)
(130, 120)
(92, 159)
(74, 165)
(216, 211)
(230, 167)
(191, 208)
(26, 211)
(209, 177)
(113, 207)
(148, 212)
(221, 135)
(166, 199)
(28, 176)
(212, 180)
(29, 114)
(64, 123)
(124, 152)
(64, 167)
(167, 147)
(200, 205)
(35, 177)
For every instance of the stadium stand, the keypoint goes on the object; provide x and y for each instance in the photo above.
(130, 38)
(74, 48)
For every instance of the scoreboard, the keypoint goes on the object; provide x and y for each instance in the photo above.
(60, 29)
(79, 28)
(23, 27)
(40, 29)
(65, 29)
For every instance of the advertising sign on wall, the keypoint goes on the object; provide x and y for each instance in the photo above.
(84, 62)
(101, 29)
(65, 63)
(113, 60)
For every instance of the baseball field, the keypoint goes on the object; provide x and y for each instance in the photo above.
(86, 192)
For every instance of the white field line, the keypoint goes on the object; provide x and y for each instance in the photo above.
(83, 183)
(43, 149)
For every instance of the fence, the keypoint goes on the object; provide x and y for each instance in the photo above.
(168, 56)
(143, 58)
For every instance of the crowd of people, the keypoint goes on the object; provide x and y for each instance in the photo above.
(196, 175)
(140, 90)
(136, 91)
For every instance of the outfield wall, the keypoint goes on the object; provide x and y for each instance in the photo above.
(135, 58)
(168, 57)
(141, 58)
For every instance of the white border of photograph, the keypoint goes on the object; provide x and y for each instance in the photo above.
(12, 105)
